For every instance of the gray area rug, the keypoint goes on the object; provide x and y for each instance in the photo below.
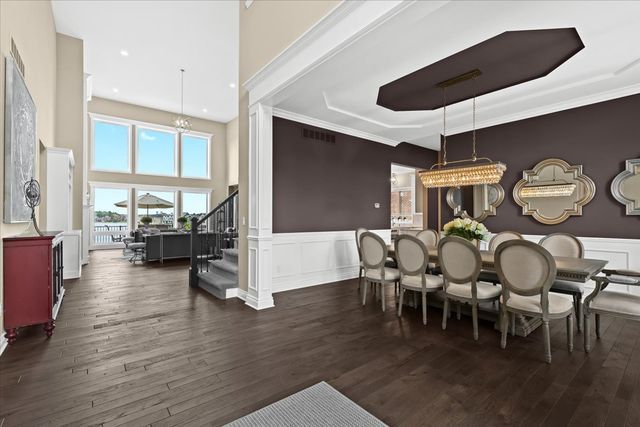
(318, 405)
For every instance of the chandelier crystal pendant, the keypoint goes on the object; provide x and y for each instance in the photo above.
(479, 170)
(182, 123)
(553, 188)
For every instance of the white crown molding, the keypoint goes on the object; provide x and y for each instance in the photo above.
(332, 126)
(332, 107)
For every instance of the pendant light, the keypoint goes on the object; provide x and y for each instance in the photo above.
(182, 123)
(479, 170)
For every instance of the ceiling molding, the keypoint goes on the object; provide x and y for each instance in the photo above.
(366, 119)
(332, 126)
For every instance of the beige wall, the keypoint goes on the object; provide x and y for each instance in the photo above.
(30, 24)
(70, 111)
(218, 181)
(266, 29)
(232, 152)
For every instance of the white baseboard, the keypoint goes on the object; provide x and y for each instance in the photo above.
(3, 344)
(242, 294)
(308, 259)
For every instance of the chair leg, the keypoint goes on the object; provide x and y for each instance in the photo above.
(382, 296)
(504, 325)
(579, 313)
(458, 313)
(360, 280)
(587, 333)
(597, 325)
(402, 290)
(474, 315)
(445, 313)
(424, 308)
(513, 324)
(364, 293)
(547, 341)
(570, 332)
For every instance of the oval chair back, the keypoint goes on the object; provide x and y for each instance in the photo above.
(374, 251)
(526, 269)
(460, 260)
(359, 232)
(503, 236)
(429, 238)
(563, 244)
(412, 256)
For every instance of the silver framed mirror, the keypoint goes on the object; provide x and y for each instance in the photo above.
(475, 201)
(625, 187)
(553, 191)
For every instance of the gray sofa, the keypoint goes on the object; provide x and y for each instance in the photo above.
(170, 245)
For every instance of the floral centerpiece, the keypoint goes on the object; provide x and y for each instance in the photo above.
(467, 229)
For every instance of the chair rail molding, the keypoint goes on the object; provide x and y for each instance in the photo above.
(314, 258)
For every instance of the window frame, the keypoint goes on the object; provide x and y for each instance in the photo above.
(205, 136)
(116, 121)
(158, 128)
(206, 192)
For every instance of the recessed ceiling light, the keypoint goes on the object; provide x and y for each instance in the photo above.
(115, 90)
(124, 53)
(204, 110)
(232, 85)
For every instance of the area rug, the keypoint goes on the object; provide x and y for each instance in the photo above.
(318, 405)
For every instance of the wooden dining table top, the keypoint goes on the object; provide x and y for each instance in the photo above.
(572, 269)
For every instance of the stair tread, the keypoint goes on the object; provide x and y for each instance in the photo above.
(217, 280)
(225, 265)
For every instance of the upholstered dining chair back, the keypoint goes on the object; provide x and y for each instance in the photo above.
(524, 267)
(359, 232)
(503, 236)
(460, 259)
(412, 255)
(429, 238)
(374, 250)
(563, 244)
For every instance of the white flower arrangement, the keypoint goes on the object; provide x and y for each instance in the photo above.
(467, 229)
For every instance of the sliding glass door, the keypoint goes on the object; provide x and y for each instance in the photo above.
(110, 219)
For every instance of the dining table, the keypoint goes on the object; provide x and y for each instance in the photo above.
(579, 270)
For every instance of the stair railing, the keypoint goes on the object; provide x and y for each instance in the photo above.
(212, 233)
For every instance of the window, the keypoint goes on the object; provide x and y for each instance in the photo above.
(110, 216)
(156, 152)
(158, 205)
(111, 146)
(195, 156)
(194, 204)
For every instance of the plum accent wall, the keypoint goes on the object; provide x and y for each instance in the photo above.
(320, 185)
(599, 136)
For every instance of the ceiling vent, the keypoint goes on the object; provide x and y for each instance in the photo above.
(318, 135)
(17, 57)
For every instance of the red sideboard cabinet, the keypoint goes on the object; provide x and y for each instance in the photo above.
(33, 282)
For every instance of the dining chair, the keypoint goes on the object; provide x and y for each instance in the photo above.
(460, 262)
(567, 245)
(430, 238)
(359, 232)
(527, 271)
(503, 236)
(413, 256)
(609, 302)
(374, 255)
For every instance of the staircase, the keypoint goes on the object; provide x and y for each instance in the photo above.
(214, 255)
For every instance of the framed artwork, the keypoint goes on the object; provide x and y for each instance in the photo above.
(19, 144)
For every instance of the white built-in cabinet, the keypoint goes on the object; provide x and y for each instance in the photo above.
(59, 206)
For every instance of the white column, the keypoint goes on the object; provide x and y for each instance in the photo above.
(260, 199)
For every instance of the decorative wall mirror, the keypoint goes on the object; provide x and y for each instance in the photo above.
(553, 191)
(475, 201)
(626, 187)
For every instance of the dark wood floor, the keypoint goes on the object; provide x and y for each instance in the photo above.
(134, 345)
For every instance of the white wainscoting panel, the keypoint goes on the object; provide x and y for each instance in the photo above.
(308, 259)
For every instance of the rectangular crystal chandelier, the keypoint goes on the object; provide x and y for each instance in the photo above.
(487, 173)
(549, 190)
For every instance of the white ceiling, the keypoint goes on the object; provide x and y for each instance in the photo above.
(161, 37)
(342, 91)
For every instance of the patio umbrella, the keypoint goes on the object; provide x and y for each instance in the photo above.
(148, 201)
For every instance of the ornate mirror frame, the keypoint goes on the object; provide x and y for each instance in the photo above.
(491, 211)
(531, 175)
(632, 168)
